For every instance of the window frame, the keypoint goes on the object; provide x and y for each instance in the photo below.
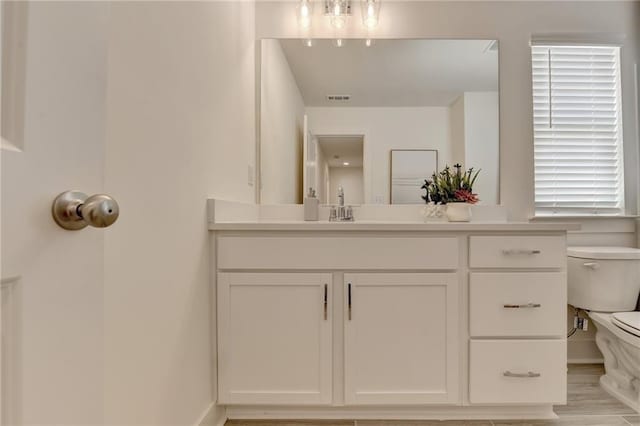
(573, 213)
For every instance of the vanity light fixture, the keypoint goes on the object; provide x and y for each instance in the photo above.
(346, 163)
(339, 42)
(338, 11)
(368, 42)
(304, 12)
(370, 13)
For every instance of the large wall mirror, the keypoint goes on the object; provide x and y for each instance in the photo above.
(375, 118)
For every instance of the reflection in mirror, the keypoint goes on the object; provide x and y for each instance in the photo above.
(340, 165)
(324, 101)
(408, 170)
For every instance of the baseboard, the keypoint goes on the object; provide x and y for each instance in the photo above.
(585, 361)
(213, 415)
(583, 351)
(542, 412)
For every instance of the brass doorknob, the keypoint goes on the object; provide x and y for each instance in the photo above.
(74, 210)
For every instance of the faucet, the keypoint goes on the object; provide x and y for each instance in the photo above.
(341, 213)
(340, 196)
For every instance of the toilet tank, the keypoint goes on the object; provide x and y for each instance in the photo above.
(604, 279)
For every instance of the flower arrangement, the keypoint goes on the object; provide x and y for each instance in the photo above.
(451, 186)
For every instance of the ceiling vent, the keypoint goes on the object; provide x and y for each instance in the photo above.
(338, 98)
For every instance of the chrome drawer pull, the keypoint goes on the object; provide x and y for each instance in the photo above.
(325, 301)
(349, 299)
(528, 375)
(527, 306)
(516, 252)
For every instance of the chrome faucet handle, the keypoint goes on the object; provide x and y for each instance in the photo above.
(349, 213)
(333, 214)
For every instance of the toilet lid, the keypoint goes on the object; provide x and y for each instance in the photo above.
(628, 321)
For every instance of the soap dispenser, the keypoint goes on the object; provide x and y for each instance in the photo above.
(311, 203)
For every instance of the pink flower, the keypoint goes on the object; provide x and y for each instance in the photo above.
(466, 196)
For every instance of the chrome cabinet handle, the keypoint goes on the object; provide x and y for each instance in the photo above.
(326, 290)
(349, 299)
(528, 375)
(520, 252)
(525, 306)
(74, 210)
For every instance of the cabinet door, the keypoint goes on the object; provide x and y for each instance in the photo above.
(274, 338)
(401, 339)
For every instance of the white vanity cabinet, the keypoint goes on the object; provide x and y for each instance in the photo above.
(400, 329)
(442, 321)
(401, 338)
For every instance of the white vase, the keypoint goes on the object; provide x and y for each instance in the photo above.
(459, 212)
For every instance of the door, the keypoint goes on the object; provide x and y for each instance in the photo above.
(54, 114)
(310, 159)
(274, 338)
(401, 339)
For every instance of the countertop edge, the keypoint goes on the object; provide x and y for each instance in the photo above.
(395, 226)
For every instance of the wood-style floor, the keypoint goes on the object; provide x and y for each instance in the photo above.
(588, 405)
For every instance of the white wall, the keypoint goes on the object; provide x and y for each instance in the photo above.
(385, 129)
(475, 140)
(53, 346)
(281, 128)
(181, 128)
(322, 171)
(456, 118)
(350, 179)
(481, 133)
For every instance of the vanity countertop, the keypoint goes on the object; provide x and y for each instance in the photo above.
(234, 216)
(364, 225)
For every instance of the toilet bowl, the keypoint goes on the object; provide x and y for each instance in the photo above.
(605, 281)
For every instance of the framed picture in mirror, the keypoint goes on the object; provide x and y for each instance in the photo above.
(409, 169)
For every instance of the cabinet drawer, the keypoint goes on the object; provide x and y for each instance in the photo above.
(518, 304)
(271, 253)
(518, 372)
(517, 251)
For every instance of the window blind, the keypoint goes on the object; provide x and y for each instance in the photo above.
(577, 130)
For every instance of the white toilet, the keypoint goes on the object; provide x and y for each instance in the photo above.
(606, 282)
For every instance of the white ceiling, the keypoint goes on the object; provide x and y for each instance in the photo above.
(347, 148)
(392, 72)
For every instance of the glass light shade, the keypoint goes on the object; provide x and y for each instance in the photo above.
(337, 11)
(338, 21)
(337, 8)
(304, 13)
(339, 42)
(370, 13)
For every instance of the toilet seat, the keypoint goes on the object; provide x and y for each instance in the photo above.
(627, 321)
